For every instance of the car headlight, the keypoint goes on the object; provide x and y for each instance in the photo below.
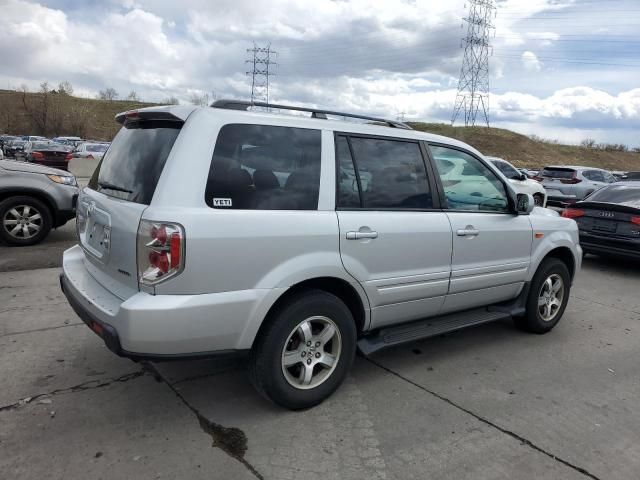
(63, 180)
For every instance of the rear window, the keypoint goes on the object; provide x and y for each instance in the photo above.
(633, 176)
(557, 173)
(132, 166)
(262, 167)
(96, 148)
(624, 194)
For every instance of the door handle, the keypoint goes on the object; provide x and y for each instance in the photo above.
(468, 232)
(361, 235)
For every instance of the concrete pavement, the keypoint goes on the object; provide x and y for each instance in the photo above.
(486, 403)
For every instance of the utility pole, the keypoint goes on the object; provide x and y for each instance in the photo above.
(473, 85)
(260, 61)
(400, 116)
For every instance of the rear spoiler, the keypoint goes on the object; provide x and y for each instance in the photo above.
(138, 115)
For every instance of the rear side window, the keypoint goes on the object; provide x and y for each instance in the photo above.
(263, 167)
(389, 174)
(557, 173)
(132, 165)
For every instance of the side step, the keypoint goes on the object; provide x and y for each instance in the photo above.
(407, 332)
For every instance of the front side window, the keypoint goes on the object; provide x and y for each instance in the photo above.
(507, 169)
(263, 167)
(390, 175)
(468, 183)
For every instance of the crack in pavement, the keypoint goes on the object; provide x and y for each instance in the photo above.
(230, 440)
(90, 385)
(44, 329)
(488, 422)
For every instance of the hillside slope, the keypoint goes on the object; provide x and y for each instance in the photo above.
(91, 118)
(523, 151)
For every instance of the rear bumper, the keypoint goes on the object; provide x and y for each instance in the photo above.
(163, 327)
(611, 246)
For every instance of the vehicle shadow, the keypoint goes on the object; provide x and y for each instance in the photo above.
(612, 264)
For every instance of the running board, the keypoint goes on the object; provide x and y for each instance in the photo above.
(432, 327)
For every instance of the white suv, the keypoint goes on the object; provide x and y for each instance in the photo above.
(216, 231)
(520, 182)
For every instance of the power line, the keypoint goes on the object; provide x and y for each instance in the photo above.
(260, 61)
(473, 85)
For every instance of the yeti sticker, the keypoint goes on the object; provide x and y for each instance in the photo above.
(222, 202)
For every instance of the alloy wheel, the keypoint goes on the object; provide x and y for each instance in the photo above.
(22, 221)
(311, 352)
(551, 297)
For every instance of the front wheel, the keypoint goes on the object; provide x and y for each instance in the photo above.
(305, 351)
(24, 221)
(548, 297)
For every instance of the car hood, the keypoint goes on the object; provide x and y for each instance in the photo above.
(14, 166)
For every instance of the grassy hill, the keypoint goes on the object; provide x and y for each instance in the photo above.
(91, 118)
(524, 151)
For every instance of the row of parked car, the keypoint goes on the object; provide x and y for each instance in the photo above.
(55, 152)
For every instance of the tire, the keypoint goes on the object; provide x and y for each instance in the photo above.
(38, 228)
(284, 333)
(542, 318)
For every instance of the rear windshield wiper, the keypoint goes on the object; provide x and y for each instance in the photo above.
(111, 186)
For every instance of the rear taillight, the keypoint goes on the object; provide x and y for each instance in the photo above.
(572, 213)
(635, 220)
(571, 181)
(90, 156)
(68, 157)
(37, 155)
(160, 251)
(537, 178)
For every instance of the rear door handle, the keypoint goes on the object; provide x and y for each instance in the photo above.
(361, 235)
(468, 232)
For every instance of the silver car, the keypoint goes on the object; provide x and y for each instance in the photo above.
(33, 200)
(568, 185)
(217, 231)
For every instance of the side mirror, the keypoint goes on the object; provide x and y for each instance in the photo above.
(524, 204)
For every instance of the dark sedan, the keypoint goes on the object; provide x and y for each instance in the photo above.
(47, 153)
(13, 147)
(609, 220)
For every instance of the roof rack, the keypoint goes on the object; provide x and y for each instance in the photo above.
(315, 113)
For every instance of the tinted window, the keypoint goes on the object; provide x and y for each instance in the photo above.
(348, 192)
(468, 183)
(261, 167)
(131, 168)
(626, 194)
(96, 148)
(392, 174)
(594, 175)
(557, 173)
(633, 176)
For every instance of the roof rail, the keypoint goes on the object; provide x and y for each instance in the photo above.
(315, 113)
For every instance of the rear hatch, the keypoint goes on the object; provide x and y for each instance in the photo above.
(561, 179)
(121, 188)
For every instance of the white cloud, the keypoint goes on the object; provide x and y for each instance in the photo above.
(530, 62)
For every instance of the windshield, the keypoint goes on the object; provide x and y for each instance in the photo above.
(36, 145)
(130, 170)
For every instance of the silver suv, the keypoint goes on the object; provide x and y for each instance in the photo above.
(218, 231)
(33, 200)
(568, 185)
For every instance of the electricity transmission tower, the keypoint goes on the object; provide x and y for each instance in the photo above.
(260, 62)
(473, 85)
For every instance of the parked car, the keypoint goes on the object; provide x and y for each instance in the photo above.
(520, 181)
(260, 242)
(34, 138)
(619, 175)
(609, 220)
(33, 200)
(46, 153)
(4, 139)
(632, 176)
(567, 185)
(14, 147)
(91, 150)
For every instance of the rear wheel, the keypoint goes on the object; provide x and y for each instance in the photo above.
(305, 351)
(548, 297)
(24, 221)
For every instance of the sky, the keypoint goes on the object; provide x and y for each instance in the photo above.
(564, 70)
